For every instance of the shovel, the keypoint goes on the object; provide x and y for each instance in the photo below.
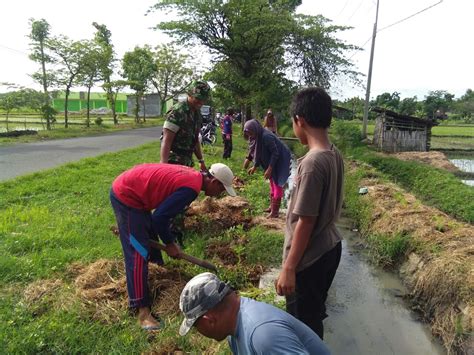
(187, 257)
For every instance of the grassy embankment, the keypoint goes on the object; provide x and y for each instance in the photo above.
(56, 222)
(76, 130)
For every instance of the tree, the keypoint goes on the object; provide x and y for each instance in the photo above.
(90, 73)
(437, 103)
(388, 101)
(71, 56)
(465, 104)
(171, 72)
(106, 63)
(409, 106)
(39, 36)
(257, 41)
(138, 68)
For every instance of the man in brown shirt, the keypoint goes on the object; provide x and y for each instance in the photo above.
(312, 248)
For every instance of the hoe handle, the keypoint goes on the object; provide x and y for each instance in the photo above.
(187, 257)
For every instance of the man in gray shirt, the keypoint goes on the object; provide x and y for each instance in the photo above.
(251, 327)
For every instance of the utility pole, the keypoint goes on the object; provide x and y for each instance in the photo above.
(369, 77)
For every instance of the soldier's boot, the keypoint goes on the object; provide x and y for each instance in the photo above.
(276, 203)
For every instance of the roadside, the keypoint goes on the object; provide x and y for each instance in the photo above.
(28, 135)
(20, 159)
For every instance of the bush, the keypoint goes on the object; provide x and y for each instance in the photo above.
(345, 135)
(98, 121)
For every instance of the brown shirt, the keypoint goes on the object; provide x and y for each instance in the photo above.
(317, 191)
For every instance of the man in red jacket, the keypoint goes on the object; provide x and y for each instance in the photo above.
(145, 199)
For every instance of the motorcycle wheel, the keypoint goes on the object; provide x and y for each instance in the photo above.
(212, 139)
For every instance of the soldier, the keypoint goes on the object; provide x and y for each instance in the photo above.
(182, 126)
(180, 137)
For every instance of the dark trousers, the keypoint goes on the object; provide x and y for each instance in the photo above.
(227, 147)
(136, 230)
(308, 303)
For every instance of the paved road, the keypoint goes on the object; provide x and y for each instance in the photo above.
(20, 159)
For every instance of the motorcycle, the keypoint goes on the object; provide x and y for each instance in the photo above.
(207, 135)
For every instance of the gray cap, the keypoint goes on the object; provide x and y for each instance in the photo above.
(201, 293)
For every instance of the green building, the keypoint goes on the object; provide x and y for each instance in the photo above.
(78, 101)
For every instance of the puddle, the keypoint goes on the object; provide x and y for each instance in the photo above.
(367, 313)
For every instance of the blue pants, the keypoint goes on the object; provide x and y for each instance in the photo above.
(136, 230)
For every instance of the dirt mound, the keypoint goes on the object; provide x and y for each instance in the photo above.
(102, 288)
(439, 273)
(433, 158)
(270, 223)
(217, 214)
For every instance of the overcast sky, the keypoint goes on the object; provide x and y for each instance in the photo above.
(431, 51)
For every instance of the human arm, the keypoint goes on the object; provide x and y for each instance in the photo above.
(285, 284)
(278, 337)
(199, 156)
(167, 210)
(168, 138)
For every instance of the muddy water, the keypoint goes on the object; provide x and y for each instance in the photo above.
(367, 314)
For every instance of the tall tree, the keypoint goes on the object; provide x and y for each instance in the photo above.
(39, 36)
(138, 68)
(91, 72)
(256, 41)
(171, 72)
(387, 100)
(437, 103)
(103, 37)
(71, 58)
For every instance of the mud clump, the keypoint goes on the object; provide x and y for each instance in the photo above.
(217, 214)
(101, 287)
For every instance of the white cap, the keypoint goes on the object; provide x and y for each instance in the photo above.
(223, 173)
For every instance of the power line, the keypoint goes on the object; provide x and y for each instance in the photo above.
(13, 50)
(357, 9)
(409, 17)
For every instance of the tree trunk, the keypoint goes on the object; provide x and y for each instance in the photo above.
(88, 118)
(111, 97)
(45, 84)
(66, 102)
(8, 112)
(137, 107)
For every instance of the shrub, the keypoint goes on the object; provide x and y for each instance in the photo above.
(98, 121)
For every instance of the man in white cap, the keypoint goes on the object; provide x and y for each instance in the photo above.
(251, 327)
(165, 189)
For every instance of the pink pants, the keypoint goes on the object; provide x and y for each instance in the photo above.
(275, 190)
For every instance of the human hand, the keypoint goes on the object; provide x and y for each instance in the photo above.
(252, 170)
(286, 282)
(268, 173)
(227, 136)
(173, 250)
(202, 165)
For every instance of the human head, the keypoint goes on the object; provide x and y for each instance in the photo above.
(314, 105)
(229, 111)
(218, 179)
(198, 93)
(252, 128)
(202, 294)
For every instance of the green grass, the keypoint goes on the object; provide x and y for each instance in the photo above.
(51, 219)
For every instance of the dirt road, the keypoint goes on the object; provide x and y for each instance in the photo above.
(20, 159)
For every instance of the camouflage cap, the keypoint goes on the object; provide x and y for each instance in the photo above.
(199, 89)
(201, 293)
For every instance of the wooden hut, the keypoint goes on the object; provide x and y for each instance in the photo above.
(401, 133)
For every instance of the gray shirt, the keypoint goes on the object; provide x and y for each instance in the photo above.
(317, 192)
(265, 329)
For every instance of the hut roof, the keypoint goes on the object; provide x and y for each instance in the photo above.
(394, 116)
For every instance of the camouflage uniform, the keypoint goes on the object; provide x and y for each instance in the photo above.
(186, 124)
